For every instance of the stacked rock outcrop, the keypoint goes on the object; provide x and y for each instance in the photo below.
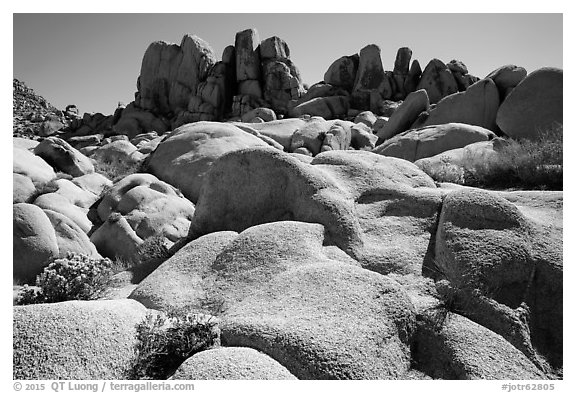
(180, 84)
(282, 81)
(364, 83)
(171, 73)
(265, 74)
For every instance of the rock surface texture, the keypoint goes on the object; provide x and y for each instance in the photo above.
(76, 339)
(184, 158)
(231, 363)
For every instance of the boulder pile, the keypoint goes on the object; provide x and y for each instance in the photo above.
(256, 82)
(306, 225)
(33, 115)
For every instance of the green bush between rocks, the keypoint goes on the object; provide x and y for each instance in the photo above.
(116, 171)
(151, 253)
(522, 164)
(76, 277)
(166, 340)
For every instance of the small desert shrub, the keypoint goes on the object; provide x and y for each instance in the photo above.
(76, 277)
(524, 164)
(456, 298)
(152, 250)
(151, 253)
(46, 188)
(527, 164)
(166, 340)
(117, 170)
(445, 171)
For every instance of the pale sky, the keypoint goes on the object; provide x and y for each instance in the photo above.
(93, 60)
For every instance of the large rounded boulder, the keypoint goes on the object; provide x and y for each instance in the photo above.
(22, 188)
(534, 106)
(76, 340)
(457, 348)
(138, 207)
(234, 363)
(342, 72)
(477, 106)
(280, 131)
(58, 203)
(70, 237)
(25, 163)
(279, 289)
(452, 165)
(429, 141)
(437, 80)
(34, 241)
(64, 157)
(184, 158)
(505, 259)
(364, 200)
(403, 117)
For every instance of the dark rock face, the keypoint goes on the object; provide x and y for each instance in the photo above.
(171, 73)
(342, 72)
(402, 63)
(401, 70)
(274, 48)
(247, 55)
(248, 68)
(437, 80)
(370, 77)
(413, 77)
(282, 81)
